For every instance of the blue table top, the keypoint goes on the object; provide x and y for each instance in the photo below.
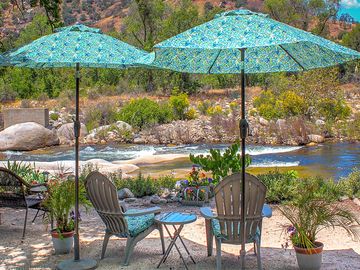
(175, 218)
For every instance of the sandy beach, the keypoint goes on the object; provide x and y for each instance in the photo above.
(35, 252)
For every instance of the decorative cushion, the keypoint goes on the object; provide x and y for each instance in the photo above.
(138, 224)
(217, 232)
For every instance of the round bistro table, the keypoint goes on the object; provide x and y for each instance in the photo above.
(175, 219)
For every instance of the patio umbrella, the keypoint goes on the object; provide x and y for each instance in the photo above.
(76, 46)
(242, 41)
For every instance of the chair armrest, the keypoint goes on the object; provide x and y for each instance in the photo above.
(141, 212)
(37, 188)
(207, 213)
(266, 211)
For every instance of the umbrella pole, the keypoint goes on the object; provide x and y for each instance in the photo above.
(243, 134)
(77, 263)
(77, 135)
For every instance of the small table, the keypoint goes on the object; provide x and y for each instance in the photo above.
(173, 219)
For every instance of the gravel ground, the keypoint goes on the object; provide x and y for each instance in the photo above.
(36, 252)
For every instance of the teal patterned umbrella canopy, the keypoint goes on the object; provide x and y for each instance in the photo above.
(271, 46)
(76, 44)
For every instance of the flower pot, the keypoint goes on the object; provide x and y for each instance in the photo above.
(309, 259)
(63, 242)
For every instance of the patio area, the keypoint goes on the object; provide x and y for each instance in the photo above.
(36, 251)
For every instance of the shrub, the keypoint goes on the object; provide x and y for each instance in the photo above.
(353, 129)
(140, 186)
(54, 116)
(167, 181)
(7, 94)
(215, 110)
(292, 104)
(350, 185)
(102, 114)
(280, 186)
(180, 103)
(191, 114)
(203, 106)
(27, 172)
(334, 109)
(221, 164)
(144, 112)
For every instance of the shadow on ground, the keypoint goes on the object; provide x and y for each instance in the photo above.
(36, 252)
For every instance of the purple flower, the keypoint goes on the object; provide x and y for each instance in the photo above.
(196, 166)
(210, 180)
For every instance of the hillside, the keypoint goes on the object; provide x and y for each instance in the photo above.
(105, 14)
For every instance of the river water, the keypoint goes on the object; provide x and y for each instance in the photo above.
(333, 160)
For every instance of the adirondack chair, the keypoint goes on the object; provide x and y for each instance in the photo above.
(225, 225)
(14, 194)
(133, 224)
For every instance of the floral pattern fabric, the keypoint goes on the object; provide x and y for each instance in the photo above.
(76, 44)
(138, 224)
(217, 231)
(270, 46)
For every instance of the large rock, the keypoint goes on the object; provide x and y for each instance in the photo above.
(26, 137)
(66, 132)
(119, 132)
(125, 193)
(316, 138)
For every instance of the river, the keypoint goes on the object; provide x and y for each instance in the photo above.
(329, 160)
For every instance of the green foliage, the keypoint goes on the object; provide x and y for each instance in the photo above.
(313, 208)
(102, 114)
(191, 114)
(301, 13)
(203, 106)
(180, 103)
(221, 164)
(61, 201)
(54, 116)
(27, 172)
(353, 128)
(143, 112)
(140, 186)
(280, 186)
(334, 110)
(350, 185)
(352, 38)
(294, 96)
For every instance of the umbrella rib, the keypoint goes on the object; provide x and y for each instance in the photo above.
(292, 57)
(217, 56)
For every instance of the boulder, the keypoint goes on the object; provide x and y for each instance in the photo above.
(155, 199)
(281, 125)
(263, 122)
(66, 132)
(26, 137)
(125, 193)
(319, 122)
(316, 138)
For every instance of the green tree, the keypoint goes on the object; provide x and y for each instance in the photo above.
(352, 38)
(301, 13)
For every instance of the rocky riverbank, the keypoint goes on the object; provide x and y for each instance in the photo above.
(219, 125)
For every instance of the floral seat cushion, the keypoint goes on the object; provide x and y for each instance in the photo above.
(217, 231)
(138, 224)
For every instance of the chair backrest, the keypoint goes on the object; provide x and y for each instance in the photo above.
(12, 189)
(228, 203)
(103, 195)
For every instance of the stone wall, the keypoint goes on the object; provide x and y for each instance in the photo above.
(17, 116)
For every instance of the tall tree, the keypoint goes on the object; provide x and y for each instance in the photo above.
(304, 14)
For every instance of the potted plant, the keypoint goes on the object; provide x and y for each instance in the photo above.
(60, 203)
(197, 190)
(314, 207)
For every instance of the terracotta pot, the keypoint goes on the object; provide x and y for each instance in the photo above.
(309, 259)
(63, 242)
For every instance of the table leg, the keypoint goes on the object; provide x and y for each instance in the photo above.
(173, 243)
(187, 251)
(209, 237)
